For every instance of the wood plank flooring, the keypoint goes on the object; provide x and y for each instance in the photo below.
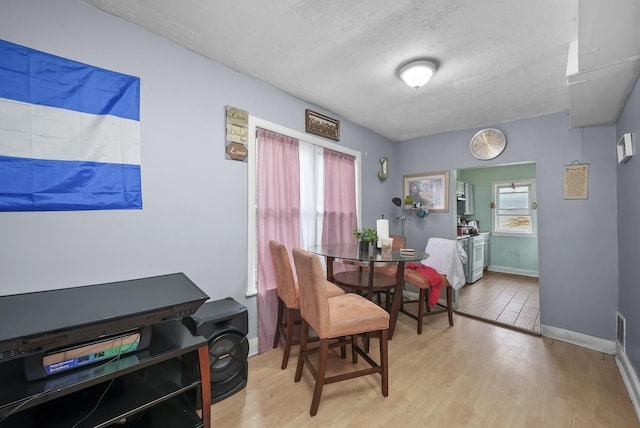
(473, 374)
(510, 300)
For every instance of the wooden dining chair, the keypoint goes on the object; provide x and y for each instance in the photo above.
(416, 279)
(288, 297)
(346, 315)
(398, 243)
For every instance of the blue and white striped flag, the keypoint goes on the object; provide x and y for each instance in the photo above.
(69, 134)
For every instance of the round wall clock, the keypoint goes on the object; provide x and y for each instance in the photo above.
(487, 144)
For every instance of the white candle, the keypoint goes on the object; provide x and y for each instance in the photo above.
(382, 229)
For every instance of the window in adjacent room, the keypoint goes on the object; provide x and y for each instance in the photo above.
(515, 208)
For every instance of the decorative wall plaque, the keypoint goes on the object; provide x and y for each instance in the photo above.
(316, 123)
(576, 181)
(237, 134)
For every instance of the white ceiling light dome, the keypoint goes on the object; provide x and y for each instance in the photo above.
(417, 73)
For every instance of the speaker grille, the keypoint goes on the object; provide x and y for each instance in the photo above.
(227, 356)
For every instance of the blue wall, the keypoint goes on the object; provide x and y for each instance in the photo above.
(572, 235)
(195, 202)
(628, 175)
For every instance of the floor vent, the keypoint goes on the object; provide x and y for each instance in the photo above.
(621, 331)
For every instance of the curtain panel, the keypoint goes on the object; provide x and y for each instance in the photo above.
(278, 218)
(306, 196)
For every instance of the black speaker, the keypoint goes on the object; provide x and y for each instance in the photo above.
(225, 323)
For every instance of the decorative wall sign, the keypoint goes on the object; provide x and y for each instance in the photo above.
(576, 181)
(237, 134)
(316, 123)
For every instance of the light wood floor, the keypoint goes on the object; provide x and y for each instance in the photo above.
(473, 374)
(511, 300)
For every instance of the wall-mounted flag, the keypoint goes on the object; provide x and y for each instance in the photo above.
(69, 134)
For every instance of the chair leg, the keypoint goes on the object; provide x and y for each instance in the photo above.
(422, 302)
(449, 304)
(384, 361)
(276, 336)
(303, 349)
(291, 323)
(322, 370)
(354, 354)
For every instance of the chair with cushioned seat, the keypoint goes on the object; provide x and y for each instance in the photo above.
(334, 317)
(288, 296)
(450, 267)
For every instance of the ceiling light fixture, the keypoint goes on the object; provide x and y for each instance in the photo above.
(417, 73)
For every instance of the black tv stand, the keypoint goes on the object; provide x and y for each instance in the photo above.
(167, 384)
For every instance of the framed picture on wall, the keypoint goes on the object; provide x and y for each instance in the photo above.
(429, 188)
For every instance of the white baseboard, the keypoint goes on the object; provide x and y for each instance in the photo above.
(629, 378)
(584, 340)
(253, 346)
(513, 271)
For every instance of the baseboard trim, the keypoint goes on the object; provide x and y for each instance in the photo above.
(513, 271)
(630, 379)
(584, 340)
(253, 346)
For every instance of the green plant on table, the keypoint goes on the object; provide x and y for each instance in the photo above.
(366, 235)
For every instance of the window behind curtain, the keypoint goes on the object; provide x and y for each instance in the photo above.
(340, 217)
(321, 174)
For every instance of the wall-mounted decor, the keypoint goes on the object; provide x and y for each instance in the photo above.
(625, 148)
(67, 143)
(237, 134)
(318, 124)
(431, 189)
(576, 181)
(383, 174)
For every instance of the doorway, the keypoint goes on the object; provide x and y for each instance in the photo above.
(504, 299)
(507, 293)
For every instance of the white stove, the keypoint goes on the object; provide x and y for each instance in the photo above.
(475, 254)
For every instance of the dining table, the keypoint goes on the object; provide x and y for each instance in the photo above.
(368, 279)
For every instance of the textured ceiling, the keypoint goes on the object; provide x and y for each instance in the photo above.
(498, 60)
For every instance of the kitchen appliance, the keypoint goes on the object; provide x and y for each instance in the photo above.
(476, 259)
(464, 241)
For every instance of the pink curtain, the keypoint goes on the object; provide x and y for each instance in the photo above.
(278, 218)
(339, 198)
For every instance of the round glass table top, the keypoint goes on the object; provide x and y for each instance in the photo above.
(352, 252)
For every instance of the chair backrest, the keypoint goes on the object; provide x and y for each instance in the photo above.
(398, 241)
(286, 286)
(314, 303)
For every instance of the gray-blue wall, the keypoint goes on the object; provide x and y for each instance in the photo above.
(195, 202)
(577, 241)
(194, 218)
(628, 209)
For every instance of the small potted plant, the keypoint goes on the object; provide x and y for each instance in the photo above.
(367, 237)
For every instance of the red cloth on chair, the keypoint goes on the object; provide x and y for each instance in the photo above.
(434, 278)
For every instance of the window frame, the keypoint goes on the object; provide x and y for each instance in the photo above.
(532, 211)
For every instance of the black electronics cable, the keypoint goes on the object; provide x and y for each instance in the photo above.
(113, 378)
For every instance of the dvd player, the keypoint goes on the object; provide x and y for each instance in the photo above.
(107, 348)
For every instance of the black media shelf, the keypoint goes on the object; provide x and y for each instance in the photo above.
(159, 386)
